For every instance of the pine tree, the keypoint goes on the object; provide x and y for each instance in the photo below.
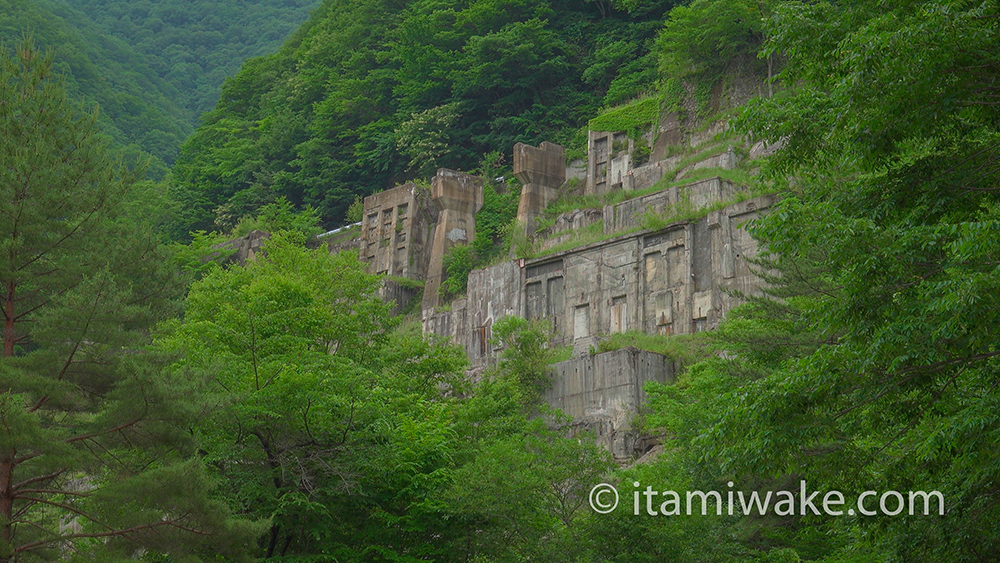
(93, 448)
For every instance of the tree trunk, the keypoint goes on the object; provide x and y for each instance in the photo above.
(6, 500)
(8, 313)
(7, 455)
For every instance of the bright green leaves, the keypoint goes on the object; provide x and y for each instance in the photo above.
(94, 446)
(292, 308)
(889, 126)
(526, 354)
(426, 136)
(709, 34)
(527, 497)
(368, 94)
(288, 344)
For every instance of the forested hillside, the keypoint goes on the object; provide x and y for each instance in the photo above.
(195, 46)
(140, 111)
(152, 68)
(368, 93)
(160, 403)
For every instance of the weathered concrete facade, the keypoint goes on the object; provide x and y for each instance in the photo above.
(244, 249)
(396, 231)
(695, 196)
(673, 280)
(541, 171)
(400, 295)
(670, 281)
(457, 197)
(677, 279)
(602, 393)
(724, 160)
(609, 153)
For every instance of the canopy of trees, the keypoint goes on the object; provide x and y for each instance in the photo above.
(94, 457)
(152, 68)
(139, 110)
(285, 416)
(195, 46)
(369, 93)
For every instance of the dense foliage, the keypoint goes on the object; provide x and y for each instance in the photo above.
(139, 110)
(362, 442)
(872, 363)
(369, 93)
(152, 68)
(195, 46)
(286, 416)
(94, 457)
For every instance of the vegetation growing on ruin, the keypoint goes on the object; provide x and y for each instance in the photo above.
(635, 118)
(159, 405)
(683, 349)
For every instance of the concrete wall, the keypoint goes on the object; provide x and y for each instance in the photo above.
(457, 197)
(396, 232)
(345, 239)
(567, 224)
(694, 196)
(608, 156)
(673, 280)
(492, 293)
(647, 175)
(542, 170)
(398, 294)
(602, 393)
(244, 249)
(725, 160)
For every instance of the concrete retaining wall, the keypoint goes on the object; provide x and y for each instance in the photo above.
(696, 195)
(603, 392)
(675, 280)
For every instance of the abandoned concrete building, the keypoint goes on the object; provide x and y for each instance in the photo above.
(678, 278)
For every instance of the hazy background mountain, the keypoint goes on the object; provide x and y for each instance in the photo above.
(195, 45)
(152, 68)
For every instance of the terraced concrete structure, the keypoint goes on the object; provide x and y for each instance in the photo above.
(678, 278)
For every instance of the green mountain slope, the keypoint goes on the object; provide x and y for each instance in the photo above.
(371, 92)
(138, 109)
(195, 45)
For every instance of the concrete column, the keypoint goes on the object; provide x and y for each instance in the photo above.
(458, 197)
(542, 170)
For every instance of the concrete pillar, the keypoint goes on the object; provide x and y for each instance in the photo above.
(458, 197)
(542, 170)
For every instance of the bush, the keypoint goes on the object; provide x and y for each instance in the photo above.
(356, 211)
(458, 262)
(634, 118)
(281, 216)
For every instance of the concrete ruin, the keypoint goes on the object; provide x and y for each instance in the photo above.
(680, 277)
(457, 197)
(689, 198)
(396, 228)
(405, 232)
(609, 155)
(241, 250)
(541, 171)
(602, 393)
